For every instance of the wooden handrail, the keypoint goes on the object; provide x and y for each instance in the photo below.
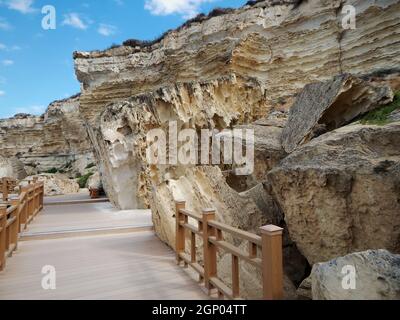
(269, 259)
(16, 213)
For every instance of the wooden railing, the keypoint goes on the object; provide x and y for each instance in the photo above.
(16, 212)
(269, 259)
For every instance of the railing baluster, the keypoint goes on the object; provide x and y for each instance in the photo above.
(180, 231)
(14, 228)
(210, 251)
(235, 277)
(3, 223)
(193, 248)
(252, 250)
(272, 262)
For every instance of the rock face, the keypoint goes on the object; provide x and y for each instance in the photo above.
(325, 106)
(56, 140)
(273, 43)
(229, 71)
(377, 277)
(340, 192)
(12, 168)
(120, 140)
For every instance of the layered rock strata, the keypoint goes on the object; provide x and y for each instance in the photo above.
(283, 46)
(56, 140)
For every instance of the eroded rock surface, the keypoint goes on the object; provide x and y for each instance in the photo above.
(58, 184)
(56, 140)
(324, 106)
(376, 276)
(12, 168)
(340, 192)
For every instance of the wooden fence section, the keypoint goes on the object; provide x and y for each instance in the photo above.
(269, 259)
(16, 212)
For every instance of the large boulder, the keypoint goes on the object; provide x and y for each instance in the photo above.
(268, 151)
(341, 192)
(12, 168)
(370, 275)
(58, 184)
(325, 106)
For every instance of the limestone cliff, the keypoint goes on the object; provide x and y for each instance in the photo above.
(280, 45)
(225, 71)
(55, 140)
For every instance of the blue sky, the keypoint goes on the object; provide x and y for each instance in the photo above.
(36, 65)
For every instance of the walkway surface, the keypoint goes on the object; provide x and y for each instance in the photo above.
(98, 253)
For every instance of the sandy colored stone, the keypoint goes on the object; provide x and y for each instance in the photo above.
(340, 192)
(57, 139)
(324, 106)
(377, 277)
(58, 184)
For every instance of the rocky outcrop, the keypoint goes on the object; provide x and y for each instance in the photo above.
(12, 168)
(56, 140)
(229, 71)
(94, 182)
(324, 106)
(58, 184)
(284, 46)
(271, 42)
(340, 192)
(120, 140)
(370, 275)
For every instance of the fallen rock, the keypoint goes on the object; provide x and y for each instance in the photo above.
(58, 184)
(268, 151)
(304, 291)
(94, 182)
(324, 106)
(376, 277)
(341, 192)
(12, 168)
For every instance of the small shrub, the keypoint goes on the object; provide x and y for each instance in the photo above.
(52, 171)
(82, 181)
(380, 116)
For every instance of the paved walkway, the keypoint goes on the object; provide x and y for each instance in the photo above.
(98, 253)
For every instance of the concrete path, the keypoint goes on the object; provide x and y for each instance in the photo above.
(98, 253)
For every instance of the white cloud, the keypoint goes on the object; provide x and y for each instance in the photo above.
(23, 6)
(4, 25)
(7, 62)
(186, 8)
(2, 93)
(8, 48)
(106, 30)
(75, 21)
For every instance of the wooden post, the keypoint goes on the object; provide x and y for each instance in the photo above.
(272, 262)
(24, 209)
(14, 228)
(4, 182)
(235, 277)
(210, 251)
(180, 231)
(252, 250)
(3, 223)
(193, 257)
